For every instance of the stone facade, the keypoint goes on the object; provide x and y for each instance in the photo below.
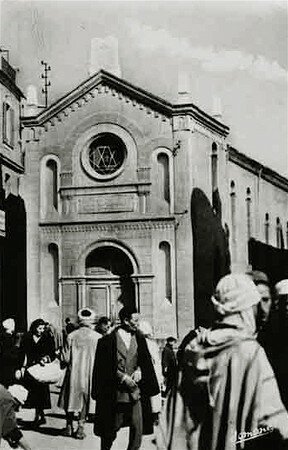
(12, 208)
(97, 234)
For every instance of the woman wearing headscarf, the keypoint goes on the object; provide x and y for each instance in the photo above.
(232, 395)
(38, 347)
(75, 396)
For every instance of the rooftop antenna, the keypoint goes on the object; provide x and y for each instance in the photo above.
(47, 83)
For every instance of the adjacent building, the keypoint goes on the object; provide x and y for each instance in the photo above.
(12, 209)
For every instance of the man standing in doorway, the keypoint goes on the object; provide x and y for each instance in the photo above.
(123, 381)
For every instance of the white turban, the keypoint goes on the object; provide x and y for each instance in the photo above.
(235, 293)
(19, 392)
(8, 324)
(86, 316)
(281, 288)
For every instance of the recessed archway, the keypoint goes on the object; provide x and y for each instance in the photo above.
(110, 285)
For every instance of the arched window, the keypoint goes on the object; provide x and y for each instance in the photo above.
(163, 177)
(8, 124)
(267, 225)
(279, 234)
(49, 182)
(214, 167)
(286, 234)
(248, 211)
(165, 270)
(233, 214)
(53, 272)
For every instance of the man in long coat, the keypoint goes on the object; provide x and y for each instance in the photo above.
(75, 396)
(123, 382)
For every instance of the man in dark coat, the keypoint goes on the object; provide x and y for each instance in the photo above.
(123, 382)
(169, 365)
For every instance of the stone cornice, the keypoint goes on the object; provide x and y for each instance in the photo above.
(117, 225)
(10, 85)
(257, 168)
(103, 189)
(104, 82)
(18, 168)
(84, 278)
(202, 118)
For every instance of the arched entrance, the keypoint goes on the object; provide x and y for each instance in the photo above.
(109, 281)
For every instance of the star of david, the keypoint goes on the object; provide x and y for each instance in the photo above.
(106, 157)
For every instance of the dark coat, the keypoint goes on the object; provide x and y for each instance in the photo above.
(169, 368)
(104, 387)
(39, 394)
(11, 358)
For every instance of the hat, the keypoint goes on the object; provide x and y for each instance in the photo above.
(235, 293)
(281, 287)
(8, 324)
(145, 327)
(86, 316)
(19, 392)
(258, 277)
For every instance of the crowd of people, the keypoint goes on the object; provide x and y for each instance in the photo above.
(232, 378)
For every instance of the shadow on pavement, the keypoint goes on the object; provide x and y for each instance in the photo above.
(48, 430)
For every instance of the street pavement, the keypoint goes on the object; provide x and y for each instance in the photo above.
(48, 436)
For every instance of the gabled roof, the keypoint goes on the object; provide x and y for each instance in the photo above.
(141, 95)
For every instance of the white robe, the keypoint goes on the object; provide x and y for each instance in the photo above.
(82, 344)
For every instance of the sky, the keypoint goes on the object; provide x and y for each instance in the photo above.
(234, 50)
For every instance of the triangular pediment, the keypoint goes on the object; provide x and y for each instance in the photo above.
(102, 80)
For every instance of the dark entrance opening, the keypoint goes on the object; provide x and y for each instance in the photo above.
(110, 279)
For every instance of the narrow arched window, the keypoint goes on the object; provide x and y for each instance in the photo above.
(163, 176)
(248, 211)
(51, 184)
(165, 270)
(53, 272)
(214, 167)
(267, 226)
(279, 234)
(233, 214)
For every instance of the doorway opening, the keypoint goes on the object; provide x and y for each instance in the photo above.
(109, 281)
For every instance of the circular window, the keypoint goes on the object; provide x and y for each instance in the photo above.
(106, 154)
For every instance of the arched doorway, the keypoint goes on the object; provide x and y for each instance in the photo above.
(109, 281)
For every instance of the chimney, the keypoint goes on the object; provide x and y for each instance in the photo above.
(217, 108)
(105, 55)
(31, 104)
(184, 88)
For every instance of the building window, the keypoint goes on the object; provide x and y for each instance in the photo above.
(51, 184)
(233, 214)
(279, 234)
(267, 225)
(165, 270)
(8, 124)
(248, 210)
(106, 154)
(286, 234)
(214, 167)
(53, 272)
(163, 176)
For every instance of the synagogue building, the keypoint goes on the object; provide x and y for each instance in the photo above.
(133, 200)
